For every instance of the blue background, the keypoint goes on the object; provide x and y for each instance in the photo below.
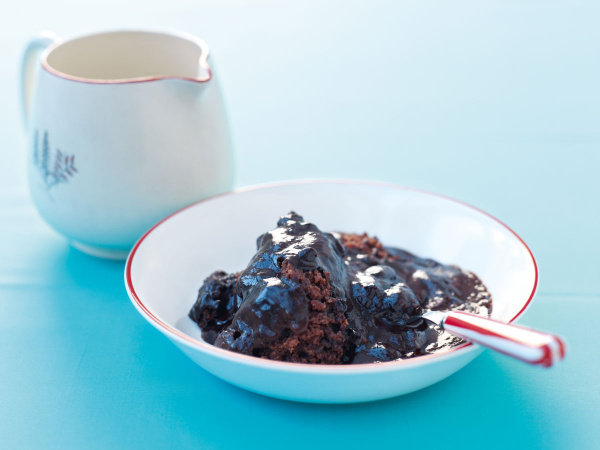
(495, 103)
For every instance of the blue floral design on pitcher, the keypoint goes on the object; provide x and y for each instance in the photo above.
(55, 169)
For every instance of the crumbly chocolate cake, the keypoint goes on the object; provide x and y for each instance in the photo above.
(332, 298)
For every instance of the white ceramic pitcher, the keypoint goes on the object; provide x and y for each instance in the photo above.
(124, 128)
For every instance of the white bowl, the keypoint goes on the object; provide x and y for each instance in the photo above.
(167, 266)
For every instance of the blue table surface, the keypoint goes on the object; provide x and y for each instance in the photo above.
(493, 102)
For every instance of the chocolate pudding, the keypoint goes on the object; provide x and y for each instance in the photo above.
(309, 296)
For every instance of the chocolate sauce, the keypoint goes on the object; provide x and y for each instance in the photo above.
(333, 298)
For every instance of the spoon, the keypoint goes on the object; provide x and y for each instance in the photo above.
(530, 346)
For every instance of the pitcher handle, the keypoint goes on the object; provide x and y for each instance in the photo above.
(29, 66)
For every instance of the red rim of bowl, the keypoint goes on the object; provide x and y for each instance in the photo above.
(282, 364)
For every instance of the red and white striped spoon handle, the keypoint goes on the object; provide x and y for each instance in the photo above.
(530, 346)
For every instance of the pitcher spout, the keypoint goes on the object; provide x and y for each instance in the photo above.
(195, 67)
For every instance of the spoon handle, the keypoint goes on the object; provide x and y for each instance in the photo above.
(531, 346)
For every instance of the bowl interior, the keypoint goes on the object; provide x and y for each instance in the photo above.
(171, 262)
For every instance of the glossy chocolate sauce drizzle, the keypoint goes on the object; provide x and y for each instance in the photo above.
(332, 298)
